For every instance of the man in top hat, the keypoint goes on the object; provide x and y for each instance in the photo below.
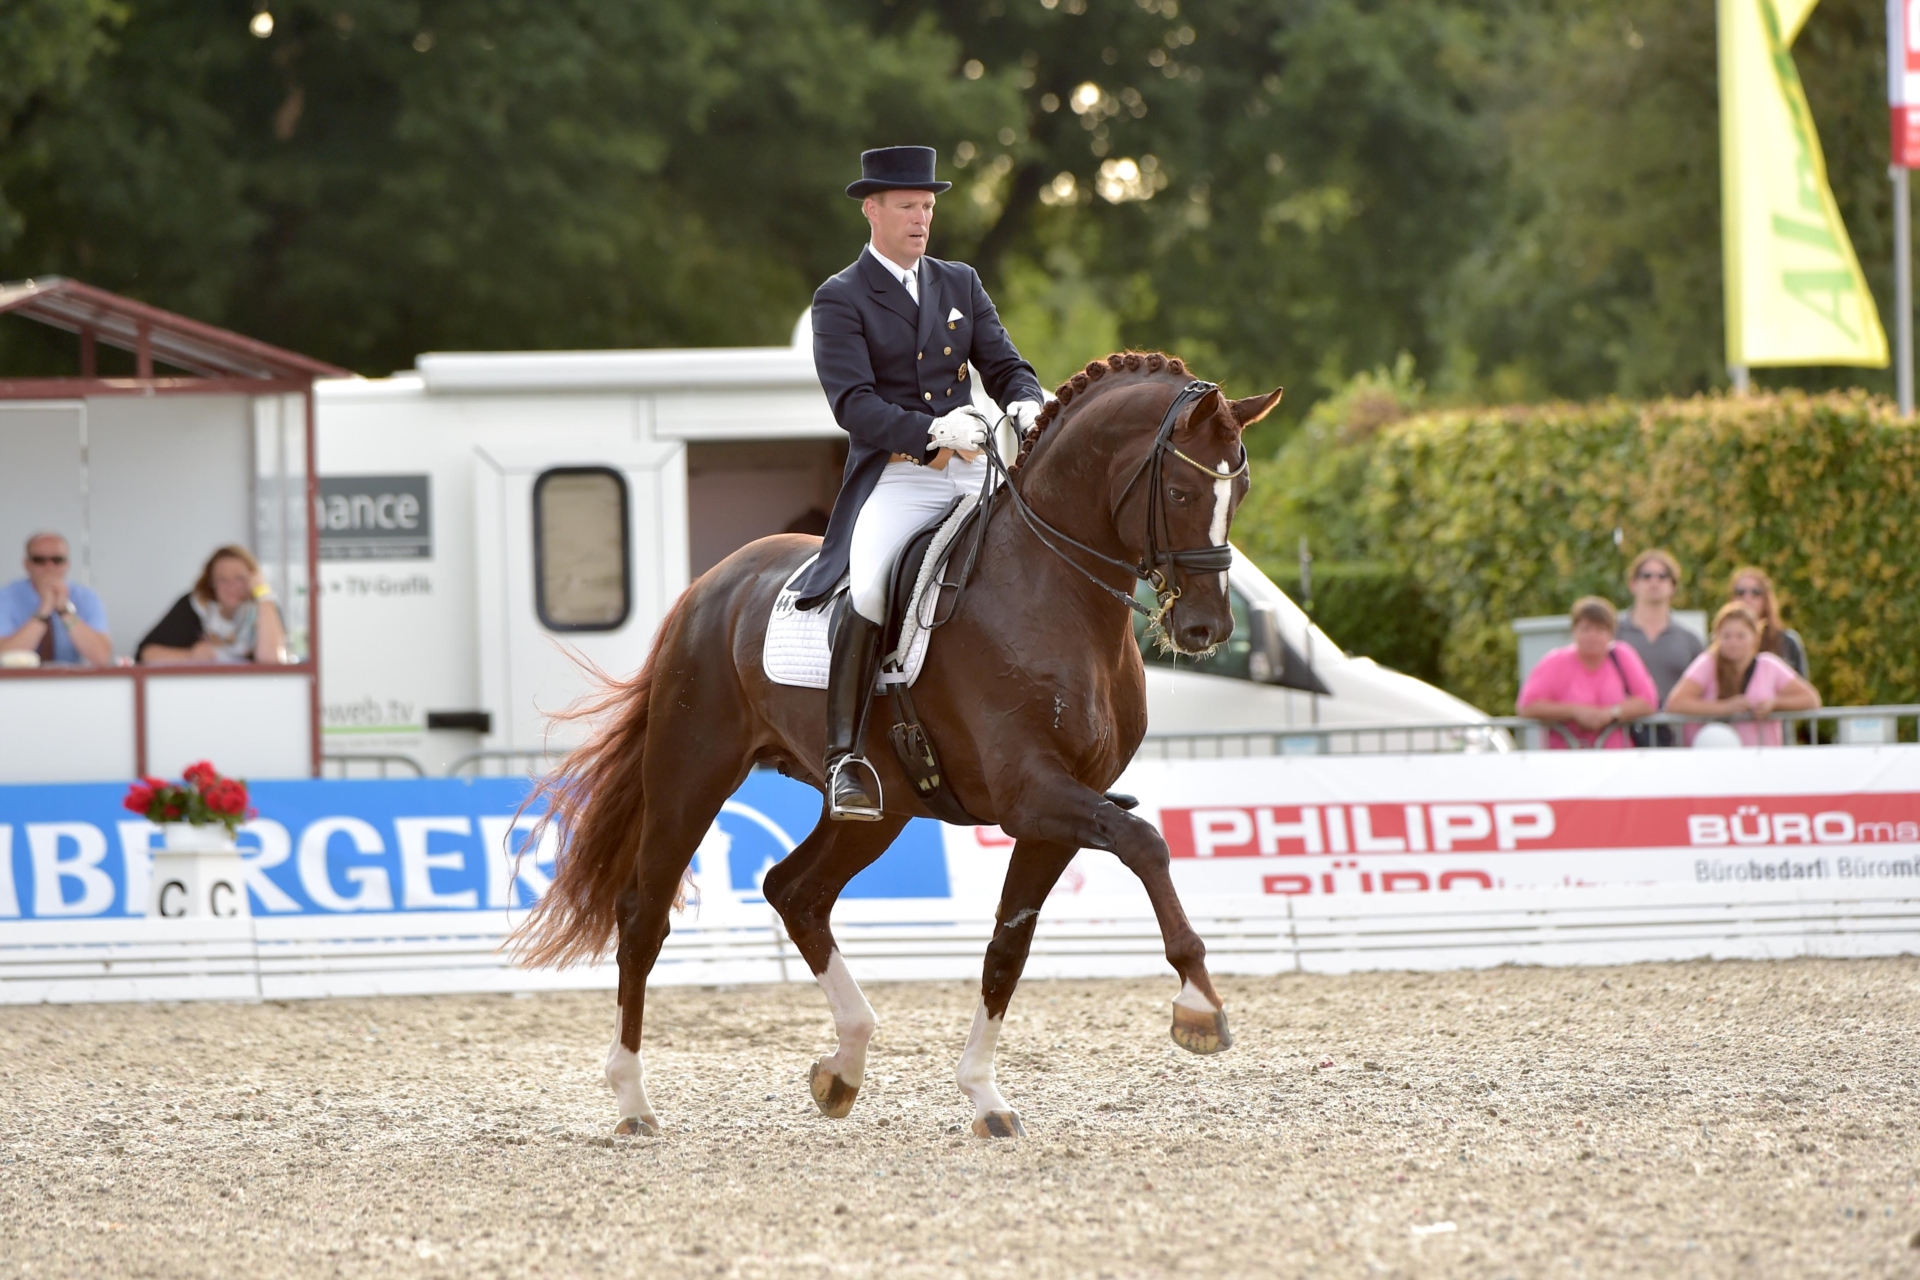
(892, 338)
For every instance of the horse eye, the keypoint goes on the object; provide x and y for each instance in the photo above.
(1180, 496)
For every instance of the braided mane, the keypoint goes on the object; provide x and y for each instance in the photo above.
(1149, 362)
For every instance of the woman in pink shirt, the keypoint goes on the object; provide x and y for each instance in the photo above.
(1756, 683)
(1592, 686)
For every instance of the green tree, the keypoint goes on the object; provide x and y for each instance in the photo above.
(372, 180)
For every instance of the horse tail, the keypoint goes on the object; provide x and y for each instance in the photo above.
(597, 801)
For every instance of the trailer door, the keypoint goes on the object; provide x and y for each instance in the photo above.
(577, 559)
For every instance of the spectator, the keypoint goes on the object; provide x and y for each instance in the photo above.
(43, 613)
(1666, 650)
(1735, 661)
(1592, 685)
(229, 616)
(1753, 588)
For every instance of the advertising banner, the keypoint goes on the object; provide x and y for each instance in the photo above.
(1251, 831)
(1351, 827)
(1903, 80)
(438, 844)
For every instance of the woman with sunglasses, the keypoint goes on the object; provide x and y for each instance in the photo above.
(1753, 588)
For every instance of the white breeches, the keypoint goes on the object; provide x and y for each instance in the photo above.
(905, 499)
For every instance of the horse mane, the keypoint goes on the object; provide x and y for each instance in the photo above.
(1145, 363)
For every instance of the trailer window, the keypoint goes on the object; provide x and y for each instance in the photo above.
(580, 571)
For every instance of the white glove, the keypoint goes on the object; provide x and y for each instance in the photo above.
(966, 428)
(1023, 412)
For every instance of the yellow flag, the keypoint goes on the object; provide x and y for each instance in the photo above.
(1795, 294)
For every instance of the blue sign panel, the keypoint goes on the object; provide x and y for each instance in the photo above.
(430, 844)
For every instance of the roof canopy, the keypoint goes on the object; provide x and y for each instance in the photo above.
(152, 334)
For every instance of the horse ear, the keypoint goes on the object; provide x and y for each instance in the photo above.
(1205, 409)
(1253, 408)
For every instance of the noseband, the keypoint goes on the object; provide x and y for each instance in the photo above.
(1158, 559)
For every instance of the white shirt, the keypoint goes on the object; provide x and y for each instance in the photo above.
(908, 276)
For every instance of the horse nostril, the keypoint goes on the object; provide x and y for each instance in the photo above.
(1196, 637)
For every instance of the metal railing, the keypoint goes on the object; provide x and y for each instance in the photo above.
(505, 763)
(1823, 727)
(1497, 735)
(386, 765)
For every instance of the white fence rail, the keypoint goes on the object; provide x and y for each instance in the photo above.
(419, 953)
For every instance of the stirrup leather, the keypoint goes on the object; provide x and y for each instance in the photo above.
(838, 812)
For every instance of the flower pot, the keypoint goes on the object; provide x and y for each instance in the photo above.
(198, 875)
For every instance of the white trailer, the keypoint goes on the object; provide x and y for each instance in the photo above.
(488, 519)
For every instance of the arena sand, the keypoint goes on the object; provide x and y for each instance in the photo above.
(1697, 1119)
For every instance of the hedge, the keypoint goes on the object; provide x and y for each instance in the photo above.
(1372, 610)
(1500, 513)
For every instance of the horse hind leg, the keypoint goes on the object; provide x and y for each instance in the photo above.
(670, 833)
(625, 1071)
(803, 887)
(1031, 874)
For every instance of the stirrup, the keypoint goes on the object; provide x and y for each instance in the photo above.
(853, 813)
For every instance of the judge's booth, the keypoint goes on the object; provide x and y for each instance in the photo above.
(173, 438)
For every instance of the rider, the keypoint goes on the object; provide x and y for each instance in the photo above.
(892, 337)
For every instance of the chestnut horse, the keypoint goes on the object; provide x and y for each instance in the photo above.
(1034, 693)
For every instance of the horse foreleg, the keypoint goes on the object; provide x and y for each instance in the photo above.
(803, 887)
(1036, 865)
(1076, 814)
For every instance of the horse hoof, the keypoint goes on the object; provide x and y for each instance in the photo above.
(638, 1127)
(1198, 1032)
(831, 1094)
(999, 1124)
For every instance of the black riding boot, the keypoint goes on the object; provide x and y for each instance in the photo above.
(853, 788)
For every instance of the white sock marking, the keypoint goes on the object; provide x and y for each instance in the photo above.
(975, 1075)
(1190, 998)
(853, 1022)
(627, 1077)
(1222, 509)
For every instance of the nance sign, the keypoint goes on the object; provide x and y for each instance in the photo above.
(1442, 845)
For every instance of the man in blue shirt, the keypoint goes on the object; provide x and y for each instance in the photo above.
(45, 614)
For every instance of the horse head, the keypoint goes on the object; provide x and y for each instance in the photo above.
(1203, 477)
(1166, 498)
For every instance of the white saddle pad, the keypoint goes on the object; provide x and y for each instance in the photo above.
(797, 652)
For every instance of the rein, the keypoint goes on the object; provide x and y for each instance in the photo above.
(1211, 559)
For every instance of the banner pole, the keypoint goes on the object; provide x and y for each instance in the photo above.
(1902, 288)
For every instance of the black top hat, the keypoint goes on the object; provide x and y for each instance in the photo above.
(896, 169)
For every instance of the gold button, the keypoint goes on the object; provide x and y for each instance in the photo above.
(949, 324)
(963, 373)
(946, 351)
(921, 356)
(926, 395)
(949, 390)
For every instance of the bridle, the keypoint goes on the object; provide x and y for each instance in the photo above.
(1157, 560)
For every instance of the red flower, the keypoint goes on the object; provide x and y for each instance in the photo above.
(155, 784)
(201, 774)
(227, 797)
(171, 811)
(139, 798)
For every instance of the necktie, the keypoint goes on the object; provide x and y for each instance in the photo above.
(46, 644)
(911, 279)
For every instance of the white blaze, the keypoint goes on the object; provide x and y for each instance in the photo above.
(1222, 508)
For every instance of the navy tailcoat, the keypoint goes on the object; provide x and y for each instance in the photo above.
(890, 367)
